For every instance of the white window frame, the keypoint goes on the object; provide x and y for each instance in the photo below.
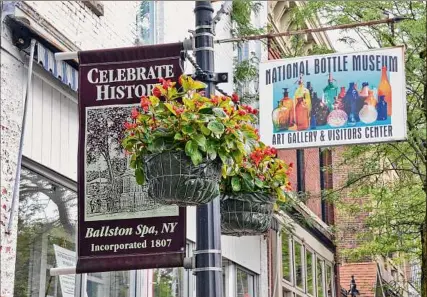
(313, 270)
(230, 274)
(301, 290)
(291, 258)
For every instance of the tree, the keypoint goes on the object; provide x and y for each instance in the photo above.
(393, 175)
(104, 133)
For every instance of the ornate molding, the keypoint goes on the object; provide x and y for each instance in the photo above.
(95, 6)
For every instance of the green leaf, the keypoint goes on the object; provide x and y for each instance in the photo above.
(200, 139)
(189, 103)
(139, 176)
(190, 147)
(235, 184)
(216, 127)
(207, 110)
(178, 136)
(188, 129)
(154, 101)
(170, 108)
(212, 154)
(157, 145)
(198, 85)
(238, 156)
(204, 130)
(188, 116)
(196, 157)
(259, 183)
(219, 112)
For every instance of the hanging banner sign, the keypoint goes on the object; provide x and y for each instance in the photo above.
(335, 99)
(120, 226)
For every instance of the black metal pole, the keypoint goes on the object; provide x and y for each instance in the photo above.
(208, 245)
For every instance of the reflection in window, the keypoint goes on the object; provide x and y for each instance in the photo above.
(320, 276)
(168, 282)
(244, 284)
(115, 284)
(298, 265)
(47, 217)
(329, 288)
(309, 271)
(286, 257)
(145, 21)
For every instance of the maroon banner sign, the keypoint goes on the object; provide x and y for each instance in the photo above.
(120, 226)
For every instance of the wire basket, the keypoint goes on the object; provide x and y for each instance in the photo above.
(172, 178)
(246, 213)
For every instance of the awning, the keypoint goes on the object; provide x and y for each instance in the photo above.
(59, 69)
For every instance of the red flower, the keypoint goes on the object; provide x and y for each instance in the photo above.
(129, 126)
(255, 111)
(145, 102)
(180, 80)
(156, 92)
(261, 177)
(215, 100)
(135, 113)
(242, 112)
(178, 110)
(291, 165)
(235, 98)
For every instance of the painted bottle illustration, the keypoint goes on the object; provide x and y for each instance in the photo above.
(314, 106)
(302, 118)
(364, 92)
(370, 100)
(339, 100)
(303, 92)
(322, 111)
(337, 117)
(351, 101)
(283, 116)
(310, 91)
(330, 91)
(384, 89)
(368, 114)
(382, 108)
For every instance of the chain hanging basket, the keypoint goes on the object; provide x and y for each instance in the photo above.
(172, 178)
(246, 213)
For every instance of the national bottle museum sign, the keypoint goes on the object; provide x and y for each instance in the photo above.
(120, 226)
(334, 99)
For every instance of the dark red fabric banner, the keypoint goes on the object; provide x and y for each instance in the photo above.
(119, 226)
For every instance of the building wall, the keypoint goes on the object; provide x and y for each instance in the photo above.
(86, 31)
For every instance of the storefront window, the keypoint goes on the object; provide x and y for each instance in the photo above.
(309, 272)
(299, 281)
(329, 287)
(320, 277)
(244, 284)
(168, 282)
(286, 257)
(47, 218)
(116, 284)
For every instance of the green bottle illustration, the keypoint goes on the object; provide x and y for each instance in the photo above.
(331, 91)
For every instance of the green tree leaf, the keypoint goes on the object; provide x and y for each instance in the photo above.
(235, 184)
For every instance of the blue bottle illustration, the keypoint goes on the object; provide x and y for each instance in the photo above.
(382, 108)
(351, 100)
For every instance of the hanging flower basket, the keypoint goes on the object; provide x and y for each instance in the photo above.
(246, 213)
(180, 141)
(250, 195)
(172, 178)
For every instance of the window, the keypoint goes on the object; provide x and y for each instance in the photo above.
(168, 282)
(286, 257)
(329, 282)
(309, 272)
(146, 22)
(326, 183)
(47, 219)
(245, 285)
(320, 277)
(299, 279)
